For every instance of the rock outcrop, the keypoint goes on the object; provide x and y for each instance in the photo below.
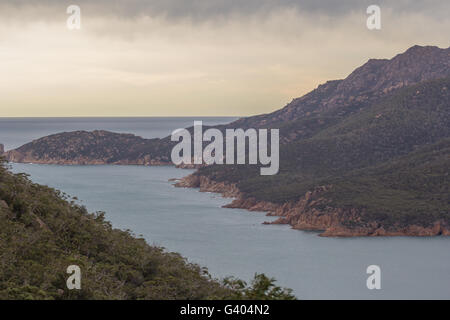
(207, 185)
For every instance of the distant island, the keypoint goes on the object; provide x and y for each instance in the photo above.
(368, 155)
(91, 148)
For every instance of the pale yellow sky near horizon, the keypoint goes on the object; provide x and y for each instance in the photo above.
(157, 66)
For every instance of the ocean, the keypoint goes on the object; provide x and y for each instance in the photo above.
(232, 242)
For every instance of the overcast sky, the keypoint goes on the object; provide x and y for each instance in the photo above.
(194, 57)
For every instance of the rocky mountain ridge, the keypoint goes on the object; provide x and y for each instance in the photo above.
(366, 84)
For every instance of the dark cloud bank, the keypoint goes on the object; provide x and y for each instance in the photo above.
(210, 9)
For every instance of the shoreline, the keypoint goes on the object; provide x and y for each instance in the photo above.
(302, 215)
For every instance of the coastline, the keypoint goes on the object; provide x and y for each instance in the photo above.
(303, 215)
(18, 157)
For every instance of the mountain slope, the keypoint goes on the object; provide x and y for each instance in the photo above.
(409, 196)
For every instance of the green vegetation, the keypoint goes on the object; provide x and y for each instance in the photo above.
(262, 288)
(390, 159)
(42, 232)
(414, 189)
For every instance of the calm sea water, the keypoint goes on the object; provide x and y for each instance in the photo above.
(234, 242)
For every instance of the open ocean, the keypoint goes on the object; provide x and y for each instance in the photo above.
(232, 241)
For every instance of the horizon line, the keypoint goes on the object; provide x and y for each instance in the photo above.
(81, 117)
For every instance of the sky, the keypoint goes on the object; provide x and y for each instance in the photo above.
(194, 57)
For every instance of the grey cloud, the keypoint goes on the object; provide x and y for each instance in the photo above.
(199, 10)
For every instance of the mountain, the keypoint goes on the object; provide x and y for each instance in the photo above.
(366, 84)
(339, 142)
